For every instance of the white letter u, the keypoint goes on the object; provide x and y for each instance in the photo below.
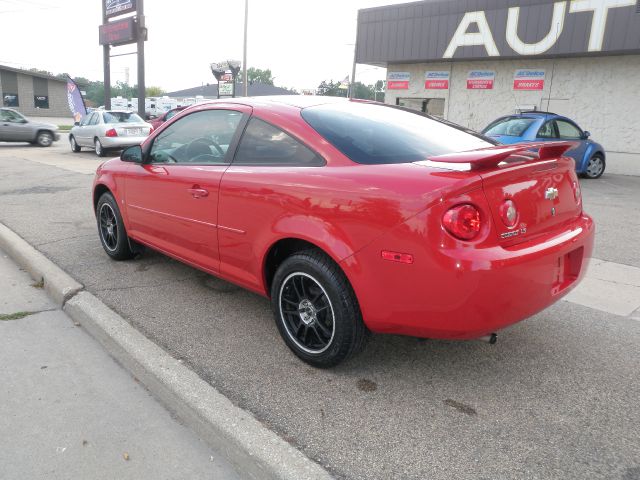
(557, 24)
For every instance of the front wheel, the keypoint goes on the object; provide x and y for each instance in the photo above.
(316, 310)
(595, 167)
(74, 145)
(44, 139)
(111, 230)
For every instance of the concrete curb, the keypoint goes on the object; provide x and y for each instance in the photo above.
(255, 451)
(57, 283)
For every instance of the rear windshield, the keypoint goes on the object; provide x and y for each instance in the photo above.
(511, 126)
(377, 134)
(121, 117)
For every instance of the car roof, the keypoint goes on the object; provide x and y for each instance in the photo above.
(297, 101)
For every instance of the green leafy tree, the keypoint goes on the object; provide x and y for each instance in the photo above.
(257, 75)
(154, 92)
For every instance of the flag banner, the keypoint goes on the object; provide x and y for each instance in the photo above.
(76, 102)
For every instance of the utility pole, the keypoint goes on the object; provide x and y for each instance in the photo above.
(245, 81)
(352, 85)
(106, 63)
(142, 36)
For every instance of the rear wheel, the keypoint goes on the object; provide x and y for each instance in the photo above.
(113, 234)
(74, 145)
(595, 167)
(99, 149)
(316, 310)
(44, 139)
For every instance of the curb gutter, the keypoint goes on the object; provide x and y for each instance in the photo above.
(255, 451)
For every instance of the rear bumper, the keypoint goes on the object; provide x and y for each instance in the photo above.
(121, 142)
(466, 293)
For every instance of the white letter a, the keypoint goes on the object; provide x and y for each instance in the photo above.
(463, 39)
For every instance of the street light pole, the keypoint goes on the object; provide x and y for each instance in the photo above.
(245, 82)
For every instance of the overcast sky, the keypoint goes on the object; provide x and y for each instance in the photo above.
(301, 42)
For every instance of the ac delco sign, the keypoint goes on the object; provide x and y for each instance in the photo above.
(505, 28)
(398, 80)
(528, 80)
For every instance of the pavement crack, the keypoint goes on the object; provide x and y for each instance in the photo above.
(20, 315)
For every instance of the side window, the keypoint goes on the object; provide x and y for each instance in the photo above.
(264, 144)
(202, 138)
(12, 117)
(547, 130)
(86, 120)
(568, 131)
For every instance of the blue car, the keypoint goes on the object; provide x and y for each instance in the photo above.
(539, 126)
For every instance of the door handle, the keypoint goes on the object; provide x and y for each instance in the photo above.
(198, 192)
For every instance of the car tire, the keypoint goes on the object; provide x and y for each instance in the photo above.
(316, 310)
(111, 229)
(99, 148)
(74, 145)
(44, 139)
(595, 166)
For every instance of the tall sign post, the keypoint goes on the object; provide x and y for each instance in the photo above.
(227, 74)
(123, 31)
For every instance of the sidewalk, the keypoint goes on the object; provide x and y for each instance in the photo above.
(67, 410)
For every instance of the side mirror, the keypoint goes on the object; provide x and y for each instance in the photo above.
(132, 154)
(24, 120)
(77, 124)
(586, 134)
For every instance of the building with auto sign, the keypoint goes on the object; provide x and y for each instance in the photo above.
(472, 61)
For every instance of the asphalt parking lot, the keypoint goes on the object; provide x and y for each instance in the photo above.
(556, 397)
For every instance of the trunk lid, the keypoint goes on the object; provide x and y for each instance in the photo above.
(543, 186)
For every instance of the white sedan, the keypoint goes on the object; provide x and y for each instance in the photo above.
(110, 129)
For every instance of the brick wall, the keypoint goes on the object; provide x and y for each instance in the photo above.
(57, 92)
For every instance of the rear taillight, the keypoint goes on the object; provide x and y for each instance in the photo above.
(509, 213)
(111, 133)
(577, 194)
(462, 221)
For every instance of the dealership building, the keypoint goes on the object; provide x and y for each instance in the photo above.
(33, 94)
(471, 61)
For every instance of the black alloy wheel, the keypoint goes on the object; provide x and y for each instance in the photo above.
(316, 310)
(111, 230)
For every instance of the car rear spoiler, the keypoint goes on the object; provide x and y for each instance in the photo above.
(490, 157)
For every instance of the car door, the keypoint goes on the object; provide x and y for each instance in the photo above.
(264, 175)
(83, 137)
(14, 127)
(172, 200)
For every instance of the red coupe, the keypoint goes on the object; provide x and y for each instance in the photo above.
(352, 217)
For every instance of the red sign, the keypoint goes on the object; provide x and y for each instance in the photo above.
(119, 32)
(528, 80)
(480, 79)
(398, 85)
(436, 84)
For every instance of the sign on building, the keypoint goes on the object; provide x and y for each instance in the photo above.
(481, 79)
(436, 80)
(526, 79)
(398, 80)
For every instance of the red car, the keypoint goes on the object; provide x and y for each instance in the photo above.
(156, 122)
(352, 217)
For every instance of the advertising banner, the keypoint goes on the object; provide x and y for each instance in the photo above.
(225, 88)
(480, 80)
(436, 80)
(526, 79)
(75, 100)
(113, 8)
(398, 80)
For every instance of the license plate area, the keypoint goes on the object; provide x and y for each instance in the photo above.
(567, 270)
(134, 132)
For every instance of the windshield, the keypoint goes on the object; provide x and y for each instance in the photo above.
(121, 117)
(377, 134)
(510, 126)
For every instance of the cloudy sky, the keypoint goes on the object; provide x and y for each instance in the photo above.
(301, 42)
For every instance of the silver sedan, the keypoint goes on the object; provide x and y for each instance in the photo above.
(109, 129)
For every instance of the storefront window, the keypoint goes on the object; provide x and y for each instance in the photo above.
(10, 100)
(41, 101)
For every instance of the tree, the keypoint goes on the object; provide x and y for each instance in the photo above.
(257, 75)
(154, 92)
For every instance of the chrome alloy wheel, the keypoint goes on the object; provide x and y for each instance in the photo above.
(108, 227)
(306, 312)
